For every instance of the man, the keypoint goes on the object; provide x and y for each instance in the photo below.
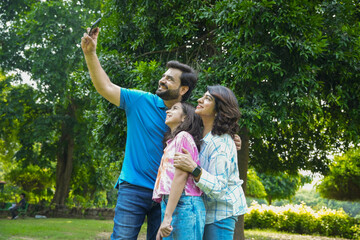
(20, 204)
(145, 114)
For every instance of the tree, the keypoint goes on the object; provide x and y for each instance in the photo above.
(282, 185)
(55, 119)
(292, 66)
(9, 143)
(254, 186)
(342, 181)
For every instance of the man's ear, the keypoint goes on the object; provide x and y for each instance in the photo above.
(183, 90)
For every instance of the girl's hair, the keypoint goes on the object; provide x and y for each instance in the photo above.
(191, 124)
(227, 111)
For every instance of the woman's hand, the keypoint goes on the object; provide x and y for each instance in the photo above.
(184, 161)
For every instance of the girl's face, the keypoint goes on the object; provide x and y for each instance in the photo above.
(206, 106)
(174, 116)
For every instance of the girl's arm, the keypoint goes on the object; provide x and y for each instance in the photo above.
(177, 187)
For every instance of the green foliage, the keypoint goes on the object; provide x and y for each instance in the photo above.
(342, 182)
(313, 199)
(282, 185)
(35, 181)
(147, 75)
(254, 187)
(302, 219)
(279, 57)
(292, 65)
(51, 124)
(9, 193)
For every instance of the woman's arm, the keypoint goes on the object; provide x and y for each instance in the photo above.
(214, 180)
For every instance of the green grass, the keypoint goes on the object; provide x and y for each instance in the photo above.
(56, 228)
(266, 234)
(64, 228)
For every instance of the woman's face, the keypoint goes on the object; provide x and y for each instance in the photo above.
(174, 116)
(206, 106)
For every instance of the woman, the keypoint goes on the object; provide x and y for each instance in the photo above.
(219, 176)
(182, 207)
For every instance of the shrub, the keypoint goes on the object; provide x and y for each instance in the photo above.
(303, 220)
(260, 217)
(335, 223)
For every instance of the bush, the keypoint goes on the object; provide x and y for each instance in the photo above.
(335, 223)
(302, 219)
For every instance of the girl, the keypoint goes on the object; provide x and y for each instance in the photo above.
(182, 208)
(219, 176)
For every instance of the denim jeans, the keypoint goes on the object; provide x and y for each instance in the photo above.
(223, 229)
(133, 204)
(188, 219)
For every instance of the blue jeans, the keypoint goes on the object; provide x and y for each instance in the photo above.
(188, 219)
(133, 204)
(223, 229)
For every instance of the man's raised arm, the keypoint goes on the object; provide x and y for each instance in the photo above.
(98, 76)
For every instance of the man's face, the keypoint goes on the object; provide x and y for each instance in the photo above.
(169, 84)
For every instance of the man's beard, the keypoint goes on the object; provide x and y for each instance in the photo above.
(168, 94)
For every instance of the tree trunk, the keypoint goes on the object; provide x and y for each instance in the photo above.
(64, 159)
(243, 161)
(64, 169)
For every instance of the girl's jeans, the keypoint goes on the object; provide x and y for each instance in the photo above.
(188, 219)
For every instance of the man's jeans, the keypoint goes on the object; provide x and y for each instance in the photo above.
(133, 204)
(188, 219)
(223, 229)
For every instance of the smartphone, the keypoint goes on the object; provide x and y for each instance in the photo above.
(95, 25)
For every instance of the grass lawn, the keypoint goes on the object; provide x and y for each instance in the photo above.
(273, 235)
(63, 228)
(55, 228)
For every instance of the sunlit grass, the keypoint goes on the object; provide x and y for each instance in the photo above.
(267, 234)
(55, 228)
(64, 228)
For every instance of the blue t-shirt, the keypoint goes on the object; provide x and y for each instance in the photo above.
(145, 113)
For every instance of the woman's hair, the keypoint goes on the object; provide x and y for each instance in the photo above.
(191, 124)
(227, 111)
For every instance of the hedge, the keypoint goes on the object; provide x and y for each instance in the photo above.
(302, 219)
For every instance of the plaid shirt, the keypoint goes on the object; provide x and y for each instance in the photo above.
(220, 181)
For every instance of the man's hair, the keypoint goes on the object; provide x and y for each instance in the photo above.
(188, 77)
(191, 124)
(23, 194)
(227, 109)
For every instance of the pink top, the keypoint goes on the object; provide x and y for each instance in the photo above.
(166, 170)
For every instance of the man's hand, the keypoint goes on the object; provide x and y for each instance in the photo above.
(237, 141)
(184, 161)
(88, 43)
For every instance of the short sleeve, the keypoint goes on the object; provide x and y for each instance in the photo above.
(129, 97)
(185, 140)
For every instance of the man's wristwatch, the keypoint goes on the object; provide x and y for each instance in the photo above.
(196, 171)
